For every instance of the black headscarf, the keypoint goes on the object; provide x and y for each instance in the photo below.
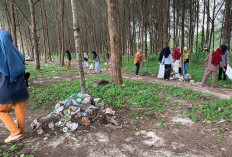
(94, 55)
(161, 55)
(224, 49)
(167, 52)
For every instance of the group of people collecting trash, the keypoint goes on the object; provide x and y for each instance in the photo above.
(14, 92)
(95, 59)
(214, 59)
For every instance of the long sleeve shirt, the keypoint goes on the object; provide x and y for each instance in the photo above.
(225, 59)
(167, 60)
(209, 65)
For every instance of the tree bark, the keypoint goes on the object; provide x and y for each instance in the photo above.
(77, 45)
(44, 34)
(62, 33)
(227, 23)
(114, 42)
(14, 35)
(7, 15)
(20, 34)
(166, 23)
(203, 33)
(34, 35)
(182, 30)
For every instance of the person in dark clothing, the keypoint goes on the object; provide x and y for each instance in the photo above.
(167, 61)
(13, 90)
(96, 61)
(69, 59)
(161, 55)
(225, 62)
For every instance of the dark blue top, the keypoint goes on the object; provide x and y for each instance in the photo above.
(11, 93)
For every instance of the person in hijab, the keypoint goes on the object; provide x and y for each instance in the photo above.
(168, 62)
(161, 55)
(69, 59)
(211, 63)
(96, 61)
(186, 60)
(86, 59)
(176, 55)
(225, 62)
(109, 58)
(137, 60)
(13, 90)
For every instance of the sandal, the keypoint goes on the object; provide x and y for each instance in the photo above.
(12, 138)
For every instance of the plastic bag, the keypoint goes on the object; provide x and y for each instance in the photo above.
(91, 67)
(161, 71)
(176, 66)
(229, 72)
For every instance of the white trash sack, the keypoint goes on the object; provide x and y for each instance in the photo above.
(161, 71)
(91, 67)
(176, 66)
(229, 72)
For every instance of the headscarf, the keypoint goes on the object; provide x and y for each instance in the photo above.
(224, 49)
(85, 55)
(176, 55)
(216, 56)
(167, 52)
(11, 59)
(94, 55)
(139, 52)
(161, 55)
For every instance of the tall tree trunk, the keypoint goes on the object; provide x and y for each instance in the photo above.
(62, 33)
(34, 35)
(20, 34)
(203, 27)
(7, 15)
(58, 29)
(12, 9)
(77, 45)
(44, 34)
(208, 22)
(227, 23)
(114, 41)
(182, 30)
(166, 36)
(197, 17)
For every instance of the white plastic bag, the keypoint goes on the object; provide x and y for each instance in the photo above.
(176, 66)
(161, 71)
(229, 72)
(91, 67)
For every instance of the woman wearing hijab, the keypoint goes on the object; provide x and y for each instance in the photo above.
(109, 58)
(161, 55)
(96, 61)
(86, 59)
(13, 90)
(225, 62)
(69, 59)
(137, 60)
(176, 55)
(167, 61)
(211, 63)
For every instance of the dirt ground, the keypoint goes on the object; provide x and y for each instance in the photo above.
(173, 140)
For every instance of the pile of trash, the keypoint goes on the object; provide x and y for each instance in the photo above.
(180, 77)
(77, 110)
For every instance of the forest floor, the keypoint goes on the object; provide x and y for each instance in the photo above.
(172, 135)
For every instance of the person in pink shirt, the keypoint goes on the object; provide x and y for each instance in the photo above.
(211, 63)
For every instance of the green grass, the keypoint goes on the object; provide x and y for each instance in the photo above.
(195, 69)
(47, 71)
(13, 152)
(154, 98)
